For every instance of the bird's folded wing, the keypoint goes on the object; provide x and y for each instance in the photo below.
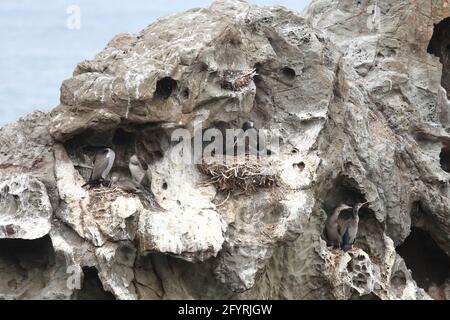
(346, 235)
(100, 165)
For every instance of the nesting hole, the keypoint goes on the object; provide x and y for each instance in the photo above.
(439, 46)
(122, 137)
(258, 67)
(444, 159)
(427, 261)
(92, 288)
(350, 268)
(300, 166)
(27, 254)
(165, 87)
(22, 261)
(342, 190)
(164, 186)
(288, 74)
(185, 93)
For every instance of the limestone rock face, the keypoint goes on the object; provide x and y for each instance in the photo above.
(355, 94)
(26, 209)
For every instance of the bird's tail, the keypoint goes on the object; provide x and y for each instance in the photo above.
(93, 183)
(149, 201)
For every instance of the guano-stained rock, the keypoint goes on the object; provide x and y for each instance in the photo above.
(357, 94)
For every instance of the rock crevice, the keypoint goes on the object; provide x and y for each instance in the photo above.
(356, 95)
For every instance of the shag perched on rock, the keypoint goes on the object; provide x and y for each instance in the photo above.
(332, 226)
(103, 162)
(139, 173)
(351, 228)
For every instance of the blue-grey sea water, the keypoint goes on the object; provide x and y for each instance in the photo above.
(38, 50)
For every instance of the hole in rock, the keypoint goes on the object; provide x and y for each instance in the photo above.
(164, 186)
(92, 288)
(370, 296)
(288, 74)
(27, 254)
(24, 266)
(427, 261)
(258, 67)
(185, 93)
(122, 137)
(439, 46)
(140, 139)
(341, 190)
(165, 87)
(300, 166)
(444, 159)
(89, 140)
(345, 190)
(258, 80)
(202, 67)
(350, 268)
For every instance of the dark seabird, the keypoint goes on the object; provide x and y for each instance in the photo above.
(260, 145)
(139, 173)
(126, 184)
(351, 228)
(250, 147)
(142, 176)
(332, 226)
(103, 162)
(248, 125)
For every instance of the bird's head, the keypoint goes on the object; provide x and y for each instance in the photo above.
(105, 151)
(248, 125)
(134, 160)
(359, 206)
(114, 177)
(343, 207)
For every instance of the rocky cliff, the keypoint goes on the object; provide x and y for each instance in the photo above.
(354, 90)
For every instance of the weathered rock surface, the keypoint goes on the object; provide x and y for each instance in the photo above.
(355, 92)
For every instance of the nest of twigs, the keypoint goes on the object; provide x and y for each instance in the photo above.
(244, 173)
(101, 199)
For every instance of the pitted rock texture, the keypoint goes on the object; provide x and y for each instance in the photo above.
(356, 94)
(26, 209)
